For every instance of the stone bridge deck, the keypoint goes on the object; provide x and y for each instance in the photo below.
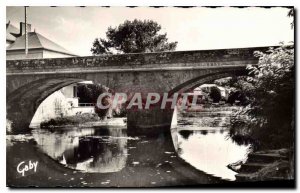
(137, 62)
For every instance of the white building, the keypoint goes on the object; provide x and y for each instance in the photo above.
(63, 102)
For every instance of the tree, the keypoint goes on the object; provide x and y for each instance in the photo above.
(215, 94)
(133, 37)
(88, 93)
(104, 113)
(237, 95)
(270, 114)
(291, 14)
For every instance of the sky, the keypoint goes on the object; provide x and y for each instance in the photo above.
(198, 28)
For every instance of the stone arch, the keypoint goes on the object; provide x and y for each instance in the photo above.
(23, 102)
(156, 121)
(207, 78)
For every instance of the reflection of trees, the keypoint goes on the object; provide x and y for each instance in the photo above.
(185, 133)
(102, 149)
(56, 143)
(204, 132)
(104, 152)
(244, 140)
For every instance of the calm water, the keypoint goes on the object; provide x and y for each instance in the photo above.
(210, 151)
(203, 143)
(99, 149)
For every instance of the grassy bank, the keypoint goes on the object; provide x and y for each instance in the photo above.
(266, 165)
(70, 120)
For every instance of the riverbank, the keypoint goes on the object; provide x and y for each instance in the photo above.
(265, 166)
(82, 120)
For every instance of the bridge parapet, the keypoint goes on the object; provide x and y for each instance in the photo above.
(183, 58)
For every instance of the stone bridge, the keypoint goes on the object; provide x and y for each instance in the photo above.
(31, 81)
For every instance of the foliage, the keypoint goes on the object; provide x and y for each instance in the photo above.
(239, 89)
(291, 13)
(120, 110)
(69, 120)
(215, 94)
(103, 113)
(237, 95)
(88, 93)
(269, 118)
(133, 37)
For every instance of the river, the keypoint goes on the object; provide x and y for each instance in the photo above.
(199, 147)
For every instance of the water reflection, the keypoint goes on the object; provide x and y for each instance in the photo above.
(98, 149)
(202, 142)
(211, 151)
(185, 133)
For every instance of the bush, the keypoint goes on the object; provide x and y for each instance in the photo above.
(270, 114)
(70, 120)
(215, 94)
(238, 95)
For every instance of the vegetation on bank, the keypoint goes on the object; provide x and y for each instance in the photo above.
(268, 119)
(70, 120)
(265, 165)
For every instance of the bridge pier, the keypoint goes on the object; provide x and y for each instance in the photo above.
(151, 122)
(18, 121)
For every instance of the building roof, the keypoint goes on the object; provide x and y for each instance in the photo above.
(37, 41)
(11, 32)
